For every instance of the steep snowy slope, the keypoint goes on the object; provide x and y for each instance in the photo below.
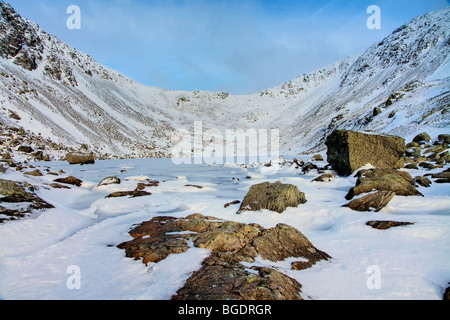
(66, 96)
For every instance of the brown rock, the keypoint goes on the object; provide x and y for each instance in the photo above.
(193, 185)
(229, 236)
(26, 149)
(384, 225)
(372, 201)
(422, 138)
(58, 186)
(283, 242)
(222, 276)
(442, 177)
(133, 194)
(317, 157)
(14, 192)
(108, 181)
(226, 205)
(423, 181)
(215, 281)
(80, 158)
(35, 173)
(399, 182)
(325, 177)
(272, 196)
(349, 150)
(70, 180)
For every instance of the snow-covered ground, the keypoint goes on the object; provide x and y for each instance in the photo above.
(84, 228)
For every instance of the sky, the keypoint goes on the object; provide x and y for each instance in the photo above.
(235, 46)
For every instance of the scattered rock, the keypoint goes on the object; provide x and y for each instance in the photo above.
(272, 196)
(399, 182)
(108, 181)
(444, 137)
(422, 138)
(58, 186)
(376, 111)
(299, 162)
(348, 150)
(193, 185)
(317, 157)
(80, 158)
(325, 177)
(423, 181)
(371, 202)
(442, 177)
(133, 194)
(142, 186)
(222, 275)
(226, 205)
(384, 225)
(411, 166)
(427, 165)
(26, 149)
(14, 115)
(308, 167)
(6, 156)
(413, 145)
(35, 173)
(70, 180)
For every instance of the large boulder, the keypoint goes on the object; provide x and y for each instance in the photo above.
(349, 150)
(272, 196)
(372, 201)
(399, 182)
(80, 158)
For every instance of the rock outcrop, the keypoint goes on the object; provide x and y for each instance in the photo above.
(223, 274)
(21, 200)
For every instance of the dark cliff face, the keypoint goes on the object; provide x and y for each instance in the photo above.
(19, 39)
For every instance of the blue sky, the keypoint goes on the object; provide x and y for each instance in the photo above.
(220, 45)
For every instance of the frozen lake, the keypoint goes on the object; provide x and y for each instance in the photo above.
(84, 229)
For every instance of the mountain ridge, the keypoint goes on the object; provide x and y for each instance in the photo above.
(67, 97)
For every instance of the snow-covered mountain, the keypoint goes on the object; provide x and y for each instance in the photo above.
(399, 86)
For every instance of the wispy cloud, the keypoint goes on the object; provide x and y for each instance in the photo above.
(223, 45)
(315, 14)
